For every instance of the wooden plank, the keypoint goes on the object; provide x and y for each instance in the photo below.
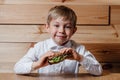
(102, 52)
(112, 67)
(12, 52)
(7, 67)
(35, 33)
(31, 14)
(115, 14)
(9, 55)
(114, 2)
(108, 68)
(117, 27)
(93, 34)
(22, 33)
(105, 52)
(80, 2)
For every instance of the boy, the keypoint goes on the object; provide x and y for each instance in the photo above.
(61, 24)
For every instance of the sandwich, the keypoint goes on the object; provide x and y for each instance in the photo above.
(58, 58)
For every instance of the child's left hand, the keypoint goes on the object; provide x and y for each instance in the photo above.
(75, 55)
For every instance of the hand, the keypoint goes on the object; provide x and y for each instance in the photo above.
(43, 61)
(75, 55)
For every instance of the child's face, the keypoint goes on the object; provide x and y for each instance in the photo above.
(61, 30)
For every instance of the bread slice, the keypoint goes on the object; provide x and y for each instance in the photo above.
(58, 58)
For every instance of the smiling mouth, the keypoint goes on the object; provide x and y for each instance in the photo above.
(61, 36)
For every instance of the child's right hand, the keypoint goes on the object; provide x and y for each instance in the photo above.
(43, 61)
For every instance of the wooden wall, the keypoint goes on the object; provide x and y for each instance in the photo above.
(22, 25)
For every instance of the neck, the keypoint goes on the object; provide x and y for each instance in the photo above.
(60, 44)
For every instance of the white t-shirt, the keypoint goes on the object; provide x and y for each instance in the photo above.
(23, 66)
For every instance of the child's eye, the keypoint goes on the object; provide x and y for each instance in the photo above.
(69, 27)
(56, 25)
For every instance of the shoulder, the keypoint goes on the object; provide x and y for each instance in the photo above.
(77, 45)
(80, 48)
(40, 47)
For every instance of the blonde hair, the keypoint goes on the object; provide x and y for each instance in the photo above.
(62, 11)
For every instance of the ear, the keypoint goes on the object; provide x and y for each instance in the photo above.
(74, 30)
(47, 27)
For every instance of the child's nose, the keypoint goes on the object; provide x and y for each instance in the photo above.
(61, 30)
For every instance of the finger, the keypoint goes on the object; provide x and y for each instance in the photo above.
(49, 54)
(63, 50)
(68, 51)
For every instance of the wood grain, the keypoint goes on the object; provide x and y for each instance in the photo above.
(7, 67)
(79, 76)
(22, 33)
(31, 14)
(100, 33)
(12, 52)
(105, 52)
(114, 2)
(115, 14)
(36, 33)
(77, 2)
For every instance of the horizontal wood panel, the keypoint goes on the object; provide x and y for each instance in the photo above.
(12, 52)
(97, 34)
(81, 2)
(105, 52)
(22, 33)
(31, 14)
(115, 14)
(35, 33)
(114, 2)
(7, 67)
